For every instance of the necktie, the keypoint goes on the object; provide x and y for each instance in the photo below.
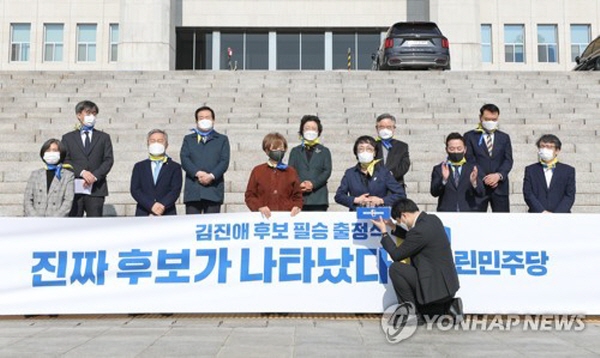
(456, 174)
(157, 166)
(87, 142)
(490, 145)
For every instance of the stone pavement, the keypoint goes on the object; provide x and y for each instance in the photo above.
(273, 335)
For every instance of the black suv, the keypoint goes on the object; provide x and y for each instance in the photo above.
(413, 45)
(590, 58)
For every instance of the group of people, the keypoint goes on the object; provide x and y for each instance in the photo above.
(473, 176)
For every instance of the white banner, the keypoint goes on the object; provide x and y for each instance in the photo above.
(315, 262)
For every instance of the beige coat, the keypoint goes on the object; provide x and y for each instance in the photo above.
(55, 202)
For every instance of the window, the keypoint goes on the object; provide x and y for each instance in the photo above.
(486, 43)
(288, 51)
(547, 43)
(19, 42)
(514, 43)
(580, 38)
(53, 42)
(245, 51)
(114, 43)
(361, 45)
(232, 51)
(313, 52)
(86, 42)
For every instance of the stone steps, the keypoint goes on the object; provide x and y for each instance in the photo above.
(35, 106)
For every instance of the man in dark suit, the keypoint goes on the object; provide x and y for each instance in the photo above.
(205, 159)
(549, 186)
(455, 182)
(90, 153)
(491, 150)
(393, 152)
(156, 181)
(430, 281)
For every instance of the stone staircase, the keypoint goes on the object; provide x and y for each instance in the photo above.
(35, 106)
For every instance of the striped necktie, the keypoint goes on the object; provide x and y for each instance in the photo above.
(489, 144)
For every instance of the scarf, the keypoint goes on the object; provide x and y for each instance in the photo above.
(280, 166)
(370, 167)
(57, 168)
(309, 143)
(161, 158)
(463, 161)
(387, 143)
(201, 136)
(482, 130)
(550, 165)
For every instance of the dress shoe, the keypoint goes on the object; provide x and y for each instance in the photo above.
(456, 310)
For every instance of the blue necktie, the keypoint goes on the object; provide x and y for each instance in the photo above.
(157, 166)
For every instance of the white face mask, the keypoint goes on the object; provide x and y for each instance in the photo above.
(156, 149)
(489, 126)
(52, 158)
(89, 120)
(205, 125)
(546, 154)
(365, 157)
(385, 134)
(403, 225)
(310, 135)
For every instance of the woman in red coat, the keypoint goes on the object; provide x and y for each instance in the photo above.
(273, 186)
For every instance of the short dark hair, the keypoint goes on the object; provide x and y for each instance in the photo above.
(48, 143)
(204, 108)
(383, 116)
(549, 138)
(310, 118)
(453, 136)
(364, 139)
(490, 108)
(403, 205)
(86, 106)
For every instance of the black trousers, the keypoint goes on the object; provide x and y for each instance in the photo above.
(499, 203)
(404, 279)
(91, 205)
(202, 207)
(315, 207)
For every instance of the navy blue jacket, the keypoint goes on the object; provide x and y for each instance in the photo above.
(166, 191)
(211, 157)
(381, 184)
(558, 198)
(456, 198)
(501, 160)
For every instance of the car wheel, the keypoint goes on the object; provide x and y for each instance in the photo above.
(597, 64)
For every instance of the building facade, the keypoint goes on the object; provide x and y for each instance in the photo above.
(73, 35)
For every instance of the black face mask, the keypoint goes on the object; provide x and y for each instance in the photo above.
(276, 155)
(456, 157)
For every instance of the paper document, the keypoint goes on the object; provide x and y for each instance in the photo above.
(81, 189)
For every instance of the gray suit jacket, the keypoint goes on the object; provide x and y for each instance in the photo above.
(98, 161)
(55, 202)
